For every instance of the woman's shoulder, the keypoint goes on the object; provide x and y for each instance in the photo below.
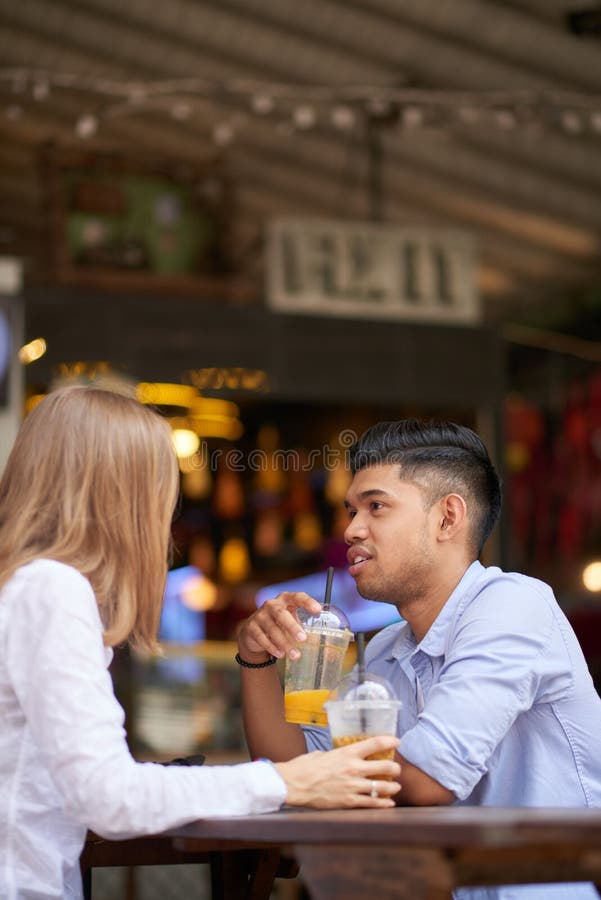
(50, 570)
(50, 582)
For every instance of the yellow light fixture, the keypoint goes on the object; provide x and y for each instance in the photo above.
(591, 576)
(211, 406)
(32, 351)
(162, 394)
(230, 378)
(185, 442)
(213, 426)
(229, 429)
(206, 416)
(210, 417)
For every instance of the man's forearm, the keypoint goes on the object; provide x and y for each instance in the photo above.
(267, 732)
(419, 788)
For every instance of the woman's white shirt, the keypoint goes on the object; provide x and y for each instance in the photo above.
(64, 761)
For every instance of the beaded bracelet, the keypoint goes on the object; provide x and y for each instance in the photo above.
(249, 665)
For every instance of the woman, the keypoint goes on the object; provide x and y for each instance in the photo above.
(86, 501)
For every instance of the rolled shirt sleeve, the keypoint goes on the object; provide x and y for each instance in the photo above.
(500, 661)
(317, 738)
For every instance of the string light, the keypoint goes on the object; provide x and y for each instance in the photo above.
(40, 90)
(468, 115)
(303, 107)
(137, 94)
(378, 106)
(505, 119)
(343, 118)
(571, 122)
(223, 134)
(262, 104)
(304, 117)
(86, 126)
(412, 117)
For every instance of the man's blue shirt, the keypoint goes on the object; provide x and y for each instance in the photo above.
(498, 703)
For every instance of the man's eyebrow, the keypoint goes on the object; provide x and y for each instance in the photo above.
(365, 495)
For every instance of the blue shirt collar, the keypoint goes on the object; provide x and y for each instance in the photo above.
(434, 641)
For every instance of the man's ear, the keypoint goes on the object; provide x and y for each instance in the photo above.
(453, 515)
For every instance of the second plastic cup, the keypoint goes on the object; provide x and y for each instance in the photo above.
(361, 710)
(310, 679)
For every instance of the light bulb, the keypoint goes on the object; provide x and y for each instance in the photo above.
(86, 126)
(304, 117)
(185, 442)
(591, 576)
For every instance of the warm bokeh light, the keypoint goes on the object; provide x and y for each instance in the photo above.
(234, 561)
(199, 593)
(230, 378)
(307, 532)
(591, 576)
(211, 407)
(222, 427)
(160, 394)
(209, 426)
(185, 442)
(32, 351)
(32, 402)
(196, 480)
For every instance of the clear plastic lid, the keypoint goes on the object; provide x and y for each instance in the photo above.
(330, 619)
(372, 689)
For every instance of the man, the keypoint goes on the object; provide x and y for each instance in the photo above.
(499, 708)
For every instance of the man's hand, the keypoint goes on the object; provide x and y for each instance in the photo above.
(275, 628)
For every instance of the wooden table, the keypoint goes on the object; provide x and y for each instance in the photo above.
(239, 869)
(400, 854)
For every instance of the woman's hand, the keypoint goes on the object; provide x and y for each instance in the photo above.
(274, 628)
(343, 778)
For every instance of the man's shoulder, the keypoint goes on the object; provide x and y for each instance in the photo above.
(508, 598)
(493, 581)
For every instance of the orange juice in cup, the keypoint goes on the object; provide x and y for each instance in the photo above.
(359, 710)
(310, 678)
(306, 707)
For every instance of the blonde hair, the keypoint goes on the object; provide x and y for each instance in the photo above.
(92, 481)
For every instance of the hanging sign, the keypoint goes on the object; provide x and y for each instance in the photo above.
(357, 269)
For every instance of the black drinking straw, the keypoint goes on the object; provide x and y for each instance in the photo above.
(322, 638)
(361, 656)
(328, 594)
(361, 672)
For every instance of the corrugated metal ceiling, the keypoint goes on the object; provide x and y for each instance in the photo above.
(527, 184)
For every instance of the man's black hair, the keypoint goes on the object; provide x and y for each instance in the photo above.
(441, 456)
